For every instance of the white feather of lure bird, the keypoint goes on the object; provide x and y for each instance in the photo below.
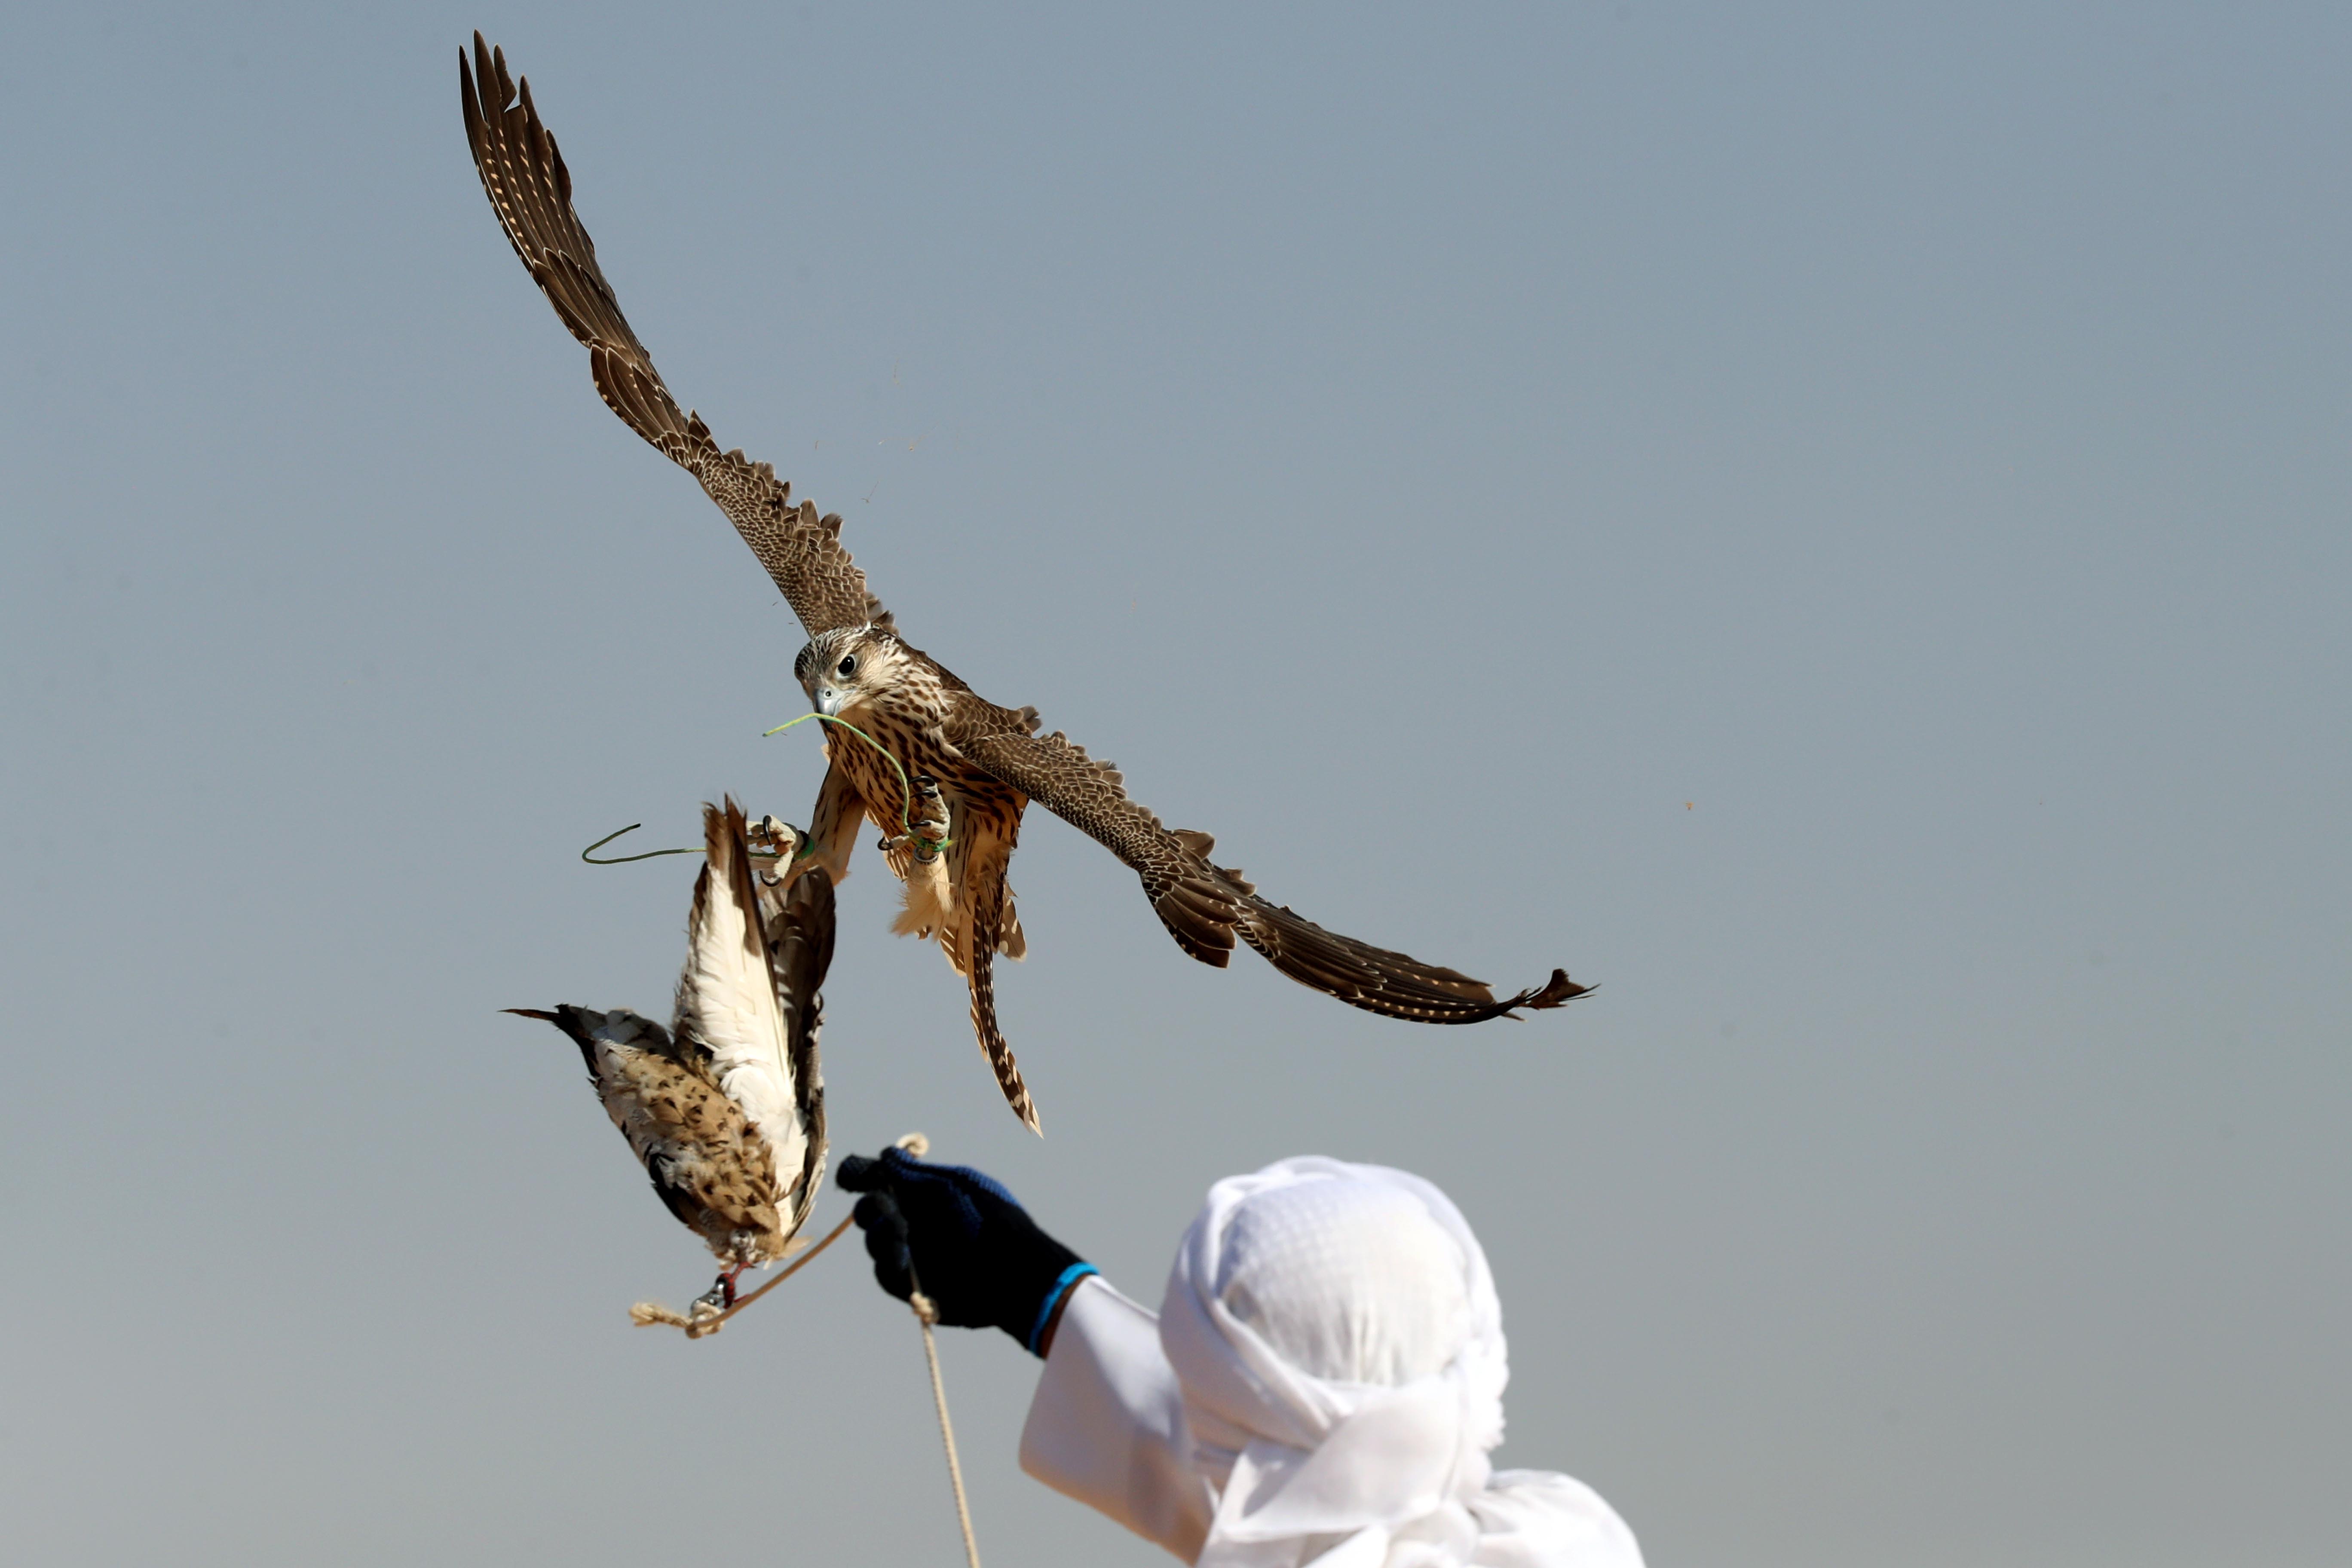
(727, 997)
(726, 1111)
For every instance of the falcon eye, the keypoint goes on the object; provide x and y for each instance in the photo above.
(847, 668)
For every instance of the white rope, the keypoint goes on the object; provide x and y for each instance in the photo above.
(706, 1318)
(927, 1312)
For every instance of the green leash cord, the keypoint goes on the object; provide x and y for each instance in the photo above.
(906, 786)
(906, 803)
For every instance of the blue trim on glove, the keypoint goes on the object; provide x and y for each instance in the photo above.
(1069, 1276)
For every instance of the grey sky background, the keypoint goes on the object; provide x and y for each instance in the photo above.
(1831, 523)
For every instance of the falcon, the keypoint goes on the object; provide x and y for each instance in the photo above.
(725, 1108)
(913, 720)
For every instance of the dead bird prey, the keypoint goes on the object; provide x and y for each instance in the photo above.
(988, 762)
(726, 1109)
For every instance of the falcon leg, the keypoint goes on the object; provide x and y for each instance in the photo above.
(833, 830)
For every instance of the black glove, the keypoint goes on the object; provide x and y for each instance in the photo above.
(975, 1252)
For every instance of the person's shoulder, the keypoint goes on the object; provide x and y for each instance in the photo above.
(1541, 1519)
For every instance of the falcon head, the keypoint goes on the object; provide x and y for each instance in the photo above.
(847, 666)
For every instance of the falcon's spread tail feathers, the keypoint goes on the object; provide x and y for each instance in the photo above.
(1205, 906)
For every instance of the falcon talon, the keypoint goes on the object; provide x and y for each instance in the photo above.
(928, 833)
(770, 837)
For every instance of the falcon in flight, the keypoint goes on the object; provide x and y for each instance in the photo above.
(725, 1108)
(987, 762)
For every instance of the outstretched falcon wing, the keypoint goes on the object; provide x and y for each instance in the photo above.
(531, 190)
(1204, 905)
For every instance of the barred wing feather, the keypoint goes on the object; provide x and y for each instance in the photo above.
(523, 173)
(1205, 906)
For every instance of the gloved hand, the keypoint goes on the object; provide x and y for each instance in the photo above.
(958, 1234)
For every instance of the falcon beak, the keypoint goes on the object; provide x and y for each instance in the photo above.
(829, 701)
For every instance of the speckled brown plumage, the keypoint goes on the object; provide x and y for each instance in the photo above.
(726, 1108)
(988, 760)
(697, 1145)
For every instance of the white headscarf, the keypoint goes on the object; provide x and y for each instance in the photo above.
(1338, 1342)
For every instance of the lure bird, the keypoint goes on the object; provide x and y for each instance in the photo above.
(726, 1108)
(988, 763)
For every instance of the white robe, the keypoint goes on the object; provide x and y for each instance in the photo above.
(1106, 1427)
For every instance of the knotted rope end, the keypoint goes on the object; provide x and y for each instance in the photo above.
(706, 1318)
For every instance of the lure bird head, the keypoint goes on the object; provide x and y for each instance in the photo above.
(844, 667)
